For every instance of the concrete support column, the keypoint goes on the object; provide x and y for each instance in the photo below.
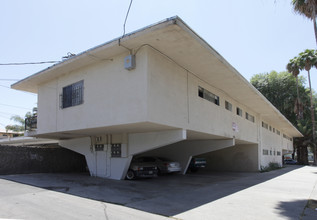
(100, 163)
(82, 146)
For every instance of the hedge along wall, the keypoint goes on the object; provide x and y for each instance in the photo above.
(52, 159)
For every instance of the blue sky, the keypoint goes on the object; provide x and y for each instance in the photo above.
(254, 36)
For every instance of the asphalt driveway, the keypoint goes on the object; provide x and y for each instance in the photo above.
(288, 193)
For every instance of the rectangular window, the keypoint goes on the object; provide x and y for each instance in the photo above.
(228, 106)
(278, 132)
(287, 137)
(270, 128)
(249, 117)
(73, 94)
(278, 153)
(205, 94)
(239, 111)
(264, 125)
(265, 152)
(273, 130)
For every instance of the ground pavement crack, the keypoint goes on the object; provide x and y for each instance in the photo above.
(309, 202)
(105, 210)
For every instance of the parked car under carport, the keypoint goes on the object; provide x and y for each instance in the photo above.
(140, 169)
(196, 164)
(163, 165)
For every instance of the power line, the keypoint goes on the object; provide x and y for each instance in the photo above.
(1, 116)
(6, 113)
(9, 79)
(30, 63)
(3, 124)
(15, 106)
(7, 87)
(126, 17)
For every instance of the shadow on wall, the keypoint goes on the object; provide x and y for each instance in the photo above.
(239, 158)
(49, 159)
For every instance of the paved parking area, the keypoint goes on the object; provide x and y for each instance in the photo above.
(288, 193)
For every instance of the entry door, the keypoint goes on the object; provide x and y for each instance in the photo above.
(101, 163)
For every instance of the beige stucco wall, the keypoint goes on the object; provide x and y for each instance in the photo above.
(173, 100)
(167, 91)
(47, 107)
(157, 91)
(112, 96)
(273, 143)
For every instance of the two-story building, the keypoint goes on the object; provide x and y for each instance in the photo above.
(161, 90)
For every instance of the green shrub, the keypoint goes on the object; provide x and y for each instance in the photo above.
(270, 167)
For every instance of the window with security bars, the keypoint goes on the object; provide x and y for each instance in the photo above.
(72, 95)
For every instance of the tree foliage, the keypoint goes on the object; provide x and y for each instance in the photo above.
(20, 123)
(280, 90)
(305, 61)
(19, 126)
(307, 8)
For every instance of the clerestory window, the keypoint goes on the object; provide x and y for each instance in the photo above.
(205, 94)
(249, 117)
(239, 111)
(228, 106)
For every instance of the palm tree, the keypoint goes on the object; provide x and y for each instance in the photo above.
(17, 127)
(306, 60)
(302, 143)
(307, 8)
(293, 67)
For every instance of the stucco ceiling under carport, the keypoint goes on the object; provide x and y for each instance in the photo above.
(175, 40)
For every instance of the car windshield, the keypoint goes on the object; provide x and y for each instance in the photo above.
(148, 159)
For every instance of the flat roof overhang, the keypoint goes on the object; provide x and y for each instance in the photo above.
(176, 41)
